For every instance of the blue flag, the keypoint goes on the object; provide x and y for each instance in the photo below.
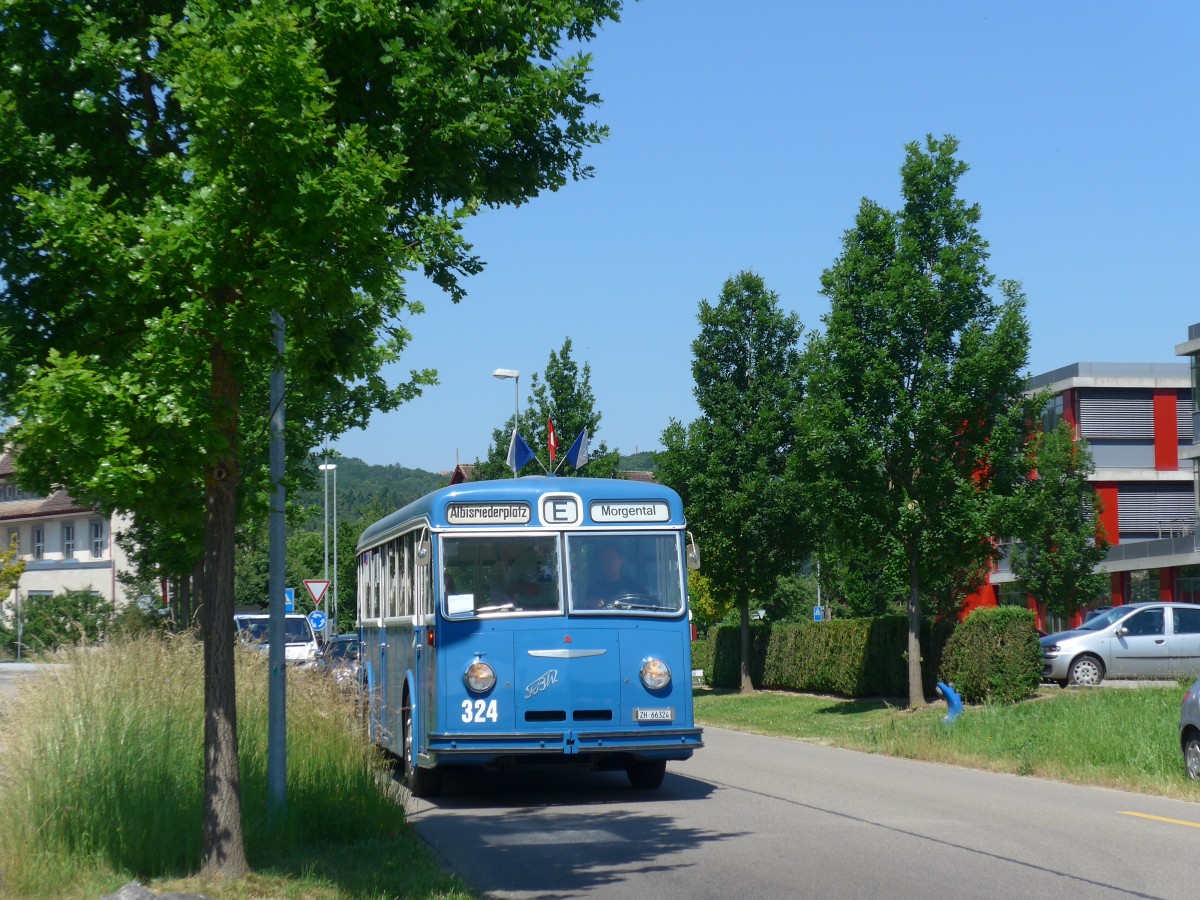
(577, 456)
(518, 452)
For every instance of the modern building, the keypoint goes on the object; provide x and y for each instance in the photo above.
(1139, 420)
(66, 546)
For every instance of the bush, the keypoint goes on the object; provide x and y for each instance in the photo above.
(725, 654)
(994, 656)
(72, 617)
(700, 656)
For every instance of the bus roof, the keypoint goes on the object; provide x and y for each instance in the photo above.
(536, 501)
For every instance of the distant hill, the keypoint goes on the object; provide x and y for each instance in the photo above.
(638, 462)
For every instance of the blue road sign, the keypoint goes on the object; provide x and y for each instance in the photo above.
(316, 619)
(289, 595)
(818, 613)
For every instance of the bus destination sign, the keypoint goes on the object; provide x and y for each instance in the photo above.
(488, 513)
(630, 511)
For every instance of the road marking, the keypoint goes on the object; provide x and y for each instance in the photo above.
(1125, 812)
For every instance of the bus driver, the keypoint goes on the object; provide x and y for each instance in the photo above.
(611, 582)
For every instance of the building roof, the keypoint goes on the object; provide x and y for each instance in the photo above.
(1114, 375)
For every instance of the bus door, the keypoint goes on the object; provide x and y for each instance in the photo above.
(423, 659)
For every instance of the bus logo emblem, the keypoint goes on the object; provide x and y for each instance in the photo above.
(538, 685)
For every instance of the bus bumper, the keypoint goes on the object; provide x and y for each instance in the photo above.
(662, 743)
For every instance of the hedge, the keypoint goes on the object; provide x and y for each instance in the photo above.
(844, 657)
(994, 656)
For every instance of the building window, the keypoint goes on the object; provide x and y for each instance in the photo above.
(97, 536)
(1143, 586)
(1010, 593)
(14, 539)
(39, 542)
(68, 541)
(1052, 413)
(1188, 584)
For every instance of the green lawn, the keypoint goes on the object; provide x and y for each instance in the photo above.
(1115, 737)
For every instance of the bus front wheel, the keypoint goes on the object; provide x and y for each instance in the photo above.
(646, 774)
(420, 782)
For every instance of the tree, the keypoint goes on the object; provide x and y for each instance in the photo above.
(1054, 517)
(178, 174)
(910, 385)
(12, 567)
(565, 396)
(731, 465)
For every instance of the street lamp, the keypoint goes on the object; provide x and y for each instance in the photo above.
(516, 377)
(330, 619)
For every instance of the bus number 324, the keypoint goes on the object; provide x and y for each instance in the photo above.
(479, 711)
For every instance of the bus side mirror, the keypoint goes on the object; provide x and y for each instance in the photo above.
(693, 554)
(423, 555)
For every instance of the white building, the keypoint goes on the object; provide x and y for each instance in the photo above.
(65, 546)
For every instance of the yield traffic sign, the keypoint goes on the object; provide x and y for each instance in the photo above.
(316, 589)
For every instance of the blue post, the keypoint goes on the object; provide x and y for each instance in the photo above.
(954, 704)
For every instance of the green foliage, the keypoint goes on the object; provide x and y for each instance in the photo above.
(1054, 518)
(731, 465)
(915, 370)
(700, 655)
(71, 617)
(994, 656)
(565, 396)
(846, 657)
(12, 567)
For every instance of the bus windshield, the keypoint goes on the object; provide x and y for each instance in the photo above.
(625, 572)
(499, 575)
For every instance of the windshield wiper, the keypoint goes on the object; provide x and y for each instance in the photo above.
(649, 607)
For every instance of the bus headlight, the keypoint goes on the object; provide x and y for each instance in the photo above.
(656, 674)
(479, 677)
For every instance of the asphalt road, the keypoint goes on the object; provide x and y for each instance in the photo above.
(752, 816)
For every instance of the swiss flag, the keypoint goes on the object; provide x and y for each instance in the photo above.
(551, 439)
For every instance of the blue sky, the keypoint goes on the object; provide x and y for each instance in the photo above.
(745, 134)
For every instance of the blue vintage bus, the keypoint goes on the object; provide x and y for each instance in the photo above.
(529, 621)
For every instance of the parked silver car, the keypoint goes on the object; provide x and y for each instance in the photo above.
(1189, 731)
(1139, 640)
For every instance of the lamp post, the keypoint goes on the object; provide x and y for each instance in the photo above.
(327, 468)
(516, 377)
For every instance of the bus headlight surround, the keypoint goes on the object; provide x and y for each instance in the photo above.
(656, 674)
(479, 677)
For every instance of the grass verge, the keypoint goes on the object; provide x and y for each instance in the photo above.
(101, 779)
(1110, 737)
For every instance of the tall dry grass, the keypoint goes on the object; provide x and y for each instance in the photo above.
(101, 767)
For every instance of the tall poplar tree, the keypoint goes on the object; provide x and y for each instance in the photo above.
(911, 385)
(731, 465)
(564, 395)
(176, 172)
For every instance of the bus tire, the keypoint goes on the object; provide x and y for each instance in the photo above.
(420, 782)
(646, 774)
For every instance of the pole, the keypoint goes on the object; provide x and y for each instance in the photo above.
(335, 555)
(326, 575)
(277, 624)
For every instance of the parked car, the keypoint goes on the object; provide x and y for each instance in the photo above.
(301, 647)
(1138, 640)
(339, 658)
(1189, 731)
(1098, 611)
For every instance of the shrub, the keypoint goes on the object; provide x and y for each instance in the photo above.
(846, 657)
(994, 656)
(72, 617)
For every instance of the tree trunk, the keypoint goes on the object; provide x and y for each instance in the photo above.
(916, 688)
(747, 685)
(223, 849)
